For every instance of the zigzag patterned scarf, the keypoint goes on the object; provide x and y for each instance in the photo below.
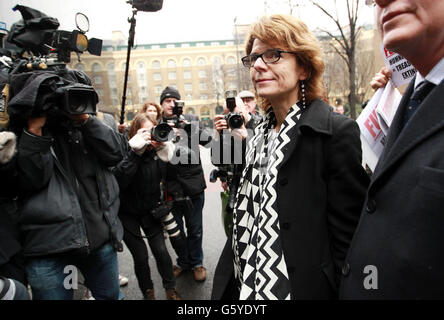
(259, 262)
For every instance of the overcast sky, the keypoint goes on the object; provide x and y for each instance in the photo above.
(177, 21)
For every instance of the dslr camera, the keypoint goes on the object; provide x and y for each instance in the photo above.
(178, 119)
(234, 120)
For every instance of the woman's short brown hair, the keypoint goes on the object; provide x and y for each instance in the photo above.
(147, 104)
(137, 123)
(291, 34)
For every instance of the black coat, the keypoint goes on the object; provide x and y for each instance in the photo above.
(9, 231)
(401, 232)
(320, 186)
(139, 181)
(186, 168)
(72, 201)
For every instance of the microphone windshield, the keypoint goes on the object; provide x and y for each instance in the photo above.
(147, 5)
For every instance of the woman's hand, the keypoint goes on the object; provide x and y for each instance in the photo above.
(220, 123)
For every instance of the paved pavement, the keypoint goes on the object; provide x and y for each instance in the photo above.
(213, 241)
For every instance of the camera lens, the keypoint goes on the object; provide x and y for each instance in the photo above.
(235, 121)
(161, 132)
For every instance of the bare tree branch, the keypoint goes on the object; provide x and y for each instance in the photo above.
(336, 21)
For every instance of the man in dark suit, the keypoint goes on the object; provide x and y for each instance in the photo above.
(398, 249)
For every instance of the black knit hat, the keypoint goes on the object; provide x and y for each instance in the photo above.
(169, 92)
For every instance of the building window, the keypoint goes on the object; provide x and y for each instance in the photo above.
(96, 67)
(231, 72)
(189, 97)
(141, 66)
(157, 77)
(202, 74)
(158, 89)
(171, 46)
(155, 46)
(172, 76)
(201, 62)
(142, 77)
(203, 86)
(115, 101)
(185, 45)
(187, 75)
(111, 67)
(186, 63)
(97, 79)
(156, 64)
(188, 87)
(80, 67)
(231, 60)
(217, 61)
(191, 111)
(203, 97)
(171, 64)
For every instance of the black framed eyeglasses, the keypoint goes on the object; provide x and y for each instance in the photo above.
(268, 56)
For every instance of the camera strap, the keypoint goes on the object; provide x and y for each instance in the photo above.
(4, 116)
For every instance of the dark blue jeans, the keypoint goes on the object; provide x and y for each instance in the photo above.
(52, 278)
(193, 223)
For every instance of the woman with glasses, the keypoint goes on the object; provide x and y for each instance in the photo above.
(301, 192)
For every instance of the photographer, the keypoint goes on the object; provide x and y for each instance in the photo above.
(228, 152)
(68, 214)
(68, 198)
(188, 181)
(140, 176)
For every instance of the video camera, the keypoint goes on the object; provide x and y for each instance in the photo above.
(37, 34)
(40, 70)
(234, 120)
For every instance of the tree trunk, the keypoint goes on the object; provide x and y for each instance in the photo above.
(352, 99)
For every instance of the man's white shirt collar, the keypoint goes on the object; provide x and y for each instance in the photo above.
(436, 75)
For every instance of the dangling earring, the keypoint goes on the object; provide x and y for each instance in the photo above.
(303, 93)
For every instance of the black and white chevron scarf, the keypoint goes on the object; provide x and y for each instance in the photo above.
(259, 262)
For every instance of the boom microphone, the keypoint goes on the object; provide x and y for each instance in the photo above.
(147, 5)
